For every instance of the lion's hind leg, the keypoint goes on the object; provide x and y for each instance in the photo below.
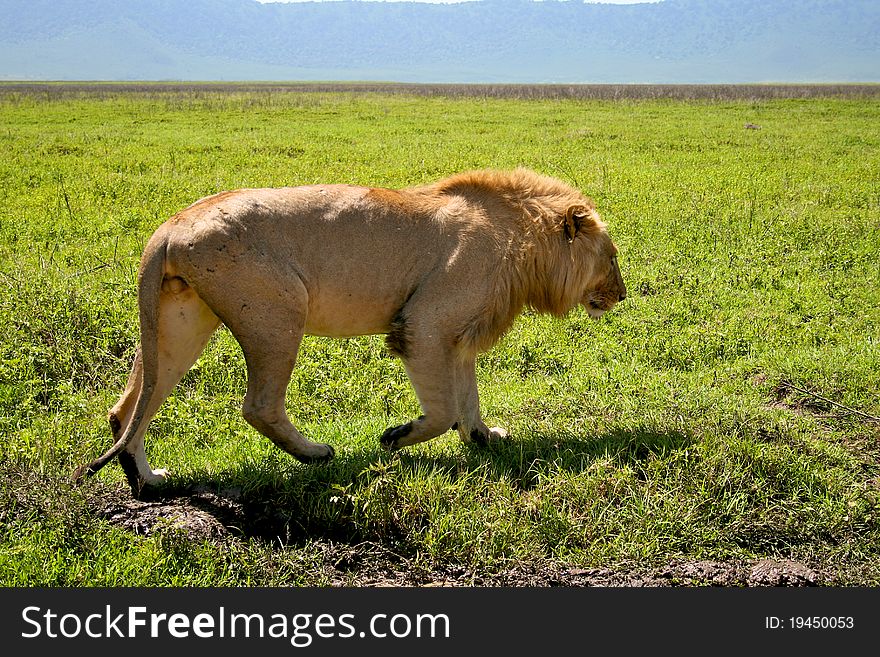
(269, 329)
(264, 407)
(186, 324)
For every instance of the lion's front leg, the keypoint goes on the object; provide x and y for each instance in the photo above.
(470, 425)
(430, 370)
(446, 387)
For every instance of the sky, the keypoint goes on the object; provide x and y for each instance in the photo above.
(436, 2)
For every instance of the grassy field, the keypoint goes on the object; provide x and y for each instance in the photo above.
(719, 425)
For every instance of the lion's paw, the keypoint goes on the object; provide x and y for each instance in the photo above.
(321, 452)
(486, 437)
(389, 439)
(151, 486)
(160, 476)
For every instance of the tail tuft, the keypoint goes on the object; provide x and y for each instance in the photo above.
(81, 473)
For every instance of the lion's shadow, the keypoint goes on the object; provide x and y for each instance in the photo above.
(517, 459)
(290, 504)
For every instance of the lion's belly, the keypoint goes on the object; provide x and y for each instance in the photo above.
(344, 316)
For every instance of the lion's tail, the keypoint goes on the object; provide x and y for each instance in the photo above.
(150, 277)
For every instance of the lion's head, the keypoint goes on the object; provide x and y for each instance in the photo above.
(610, 290)
(581, 263)
(602, 280)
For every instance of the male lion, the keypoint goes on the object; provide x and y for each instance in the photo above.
(442, 270)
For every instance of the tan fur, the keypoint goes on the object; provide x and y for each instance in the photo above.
(441, 269)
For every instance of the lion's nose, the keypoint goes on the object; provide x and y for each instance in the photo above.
(622, 296)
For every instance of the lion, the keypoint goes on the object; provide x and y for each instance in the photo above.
(442, 270)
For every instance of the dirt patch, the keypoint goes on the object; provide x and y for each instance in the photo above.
(676, 573)
(863, 428)
(146, 518)
(204, 515)
(769, 572)
(784, 397)
(802, 401)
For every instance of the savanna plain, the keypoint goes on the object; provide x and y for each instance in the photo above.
(719, 427)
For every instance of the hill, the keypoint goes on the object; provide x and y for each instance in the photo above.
(674, 41)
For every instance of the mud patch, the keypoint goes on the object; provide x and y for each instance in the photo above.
(769, 572)
(205, 515)
(548, 574)
(145, 518)
(802, 401)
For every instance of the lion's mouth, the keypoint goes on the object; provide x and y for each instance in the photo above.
(594, 310)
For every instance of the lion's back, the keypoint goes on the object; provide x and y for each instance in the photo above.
(359, 252)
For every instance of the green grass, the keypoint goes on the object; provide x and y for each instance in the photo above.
(662, 432)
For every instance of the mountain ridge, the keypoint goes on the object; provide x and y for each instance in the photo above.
(519, 41)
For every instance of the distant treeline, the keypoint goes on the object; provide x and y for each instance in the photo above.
(513, 91)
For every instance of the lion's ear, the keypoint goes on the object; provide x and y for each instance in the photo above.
(575, 219)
